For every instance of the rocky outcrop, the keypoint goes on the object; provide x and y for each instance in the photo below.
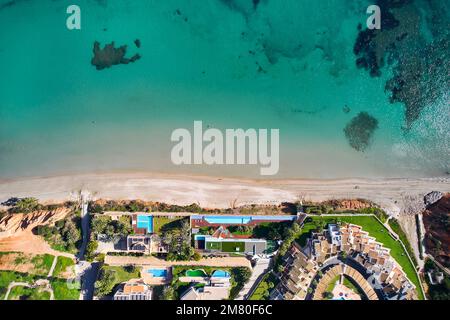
(432, 198)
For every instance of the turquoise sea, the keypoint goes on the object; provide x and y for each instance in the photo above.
(287, 64)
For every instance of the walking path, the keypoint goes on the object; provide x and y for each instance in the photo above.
(84, 225)
(446, 270)
(52, 268)
(261, 267)
(38, 283)
(88, 273)
(15, 284)
(85, 270)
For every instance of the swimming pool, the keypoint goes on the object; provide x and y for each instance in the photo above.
(228, 220)
(145, 222)
(158, 273)
(220, 274)
(241, 219)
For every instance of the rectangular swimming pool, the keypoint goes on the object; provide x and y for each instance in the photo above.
(219, 219)
(220, 274)
(145, 222)
(228, 220)
(158, 273)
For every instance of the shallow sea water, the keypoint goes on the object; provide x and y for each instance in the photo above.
(282, 64)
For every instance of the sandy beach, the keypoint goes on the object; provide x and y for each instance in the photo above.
(213, 192)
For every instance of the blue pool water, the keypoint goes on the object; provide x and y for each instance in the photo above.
(275, 218)
(228, 220)
(158, 273)
(145, 222)
(241, 219)
(220, 274)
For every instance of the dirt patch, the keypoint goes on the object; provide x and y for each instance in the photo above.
(16, 261)
(68, 274)
(349, 204)
(24, 262)
(27, 242)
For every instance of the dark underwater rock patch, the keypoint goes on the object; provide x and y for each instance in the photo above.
(110, 55)
(371, 46)
(346, 109)
(420, 67)
(359, 131)
(7, 5)
(421, 79)
(244, 7)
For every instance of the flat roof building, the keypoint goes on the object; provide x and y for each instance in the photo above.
(133, 290)
(231, 245)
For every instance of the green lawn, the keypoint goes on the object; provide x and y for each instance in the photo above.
(376, 230)
(6, 277)
(24, 293)
(43, 263)
(234, 246)
(305, 233)
(40, 264)
(62, 265)
(61, 289)
(64, 290)
(214, 246)
(332, 284)
(395, 226)
(123, 274)
(161, 223)
(262, 291)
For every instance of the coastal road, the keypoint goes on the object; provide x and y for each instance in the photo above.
(85, 224)
(86, 271)
(52, 268)
(88, 276)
